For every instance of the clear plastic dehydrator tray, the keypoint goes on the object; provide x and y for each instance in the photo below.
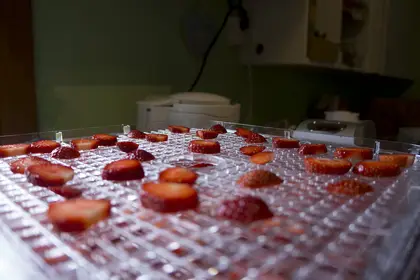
(313, 235)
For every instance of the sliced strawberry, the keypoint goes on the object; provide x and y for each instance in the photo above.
(402, 160)
(285, 143)
(127, 146)
(262, 158)
(105, 139)
(168, 197)
(354, 153)
(327, 166)
(178, 129)
(218, 128)
(141, 155)
(78, 214)
(259, 179)
(245, 209)
(243, 132)
(372, 168)
(178, 175)
(136, 134)
(123, 170)
(13, 150)
(204, 147)
(349, 187)
(43, 146)
(84, 144)
(156, 137)
(20, 165)
(251, 150)
(312, 149)
(207, 134)
(46, 175)
(65, 153)
(255, 138)
(67, 192)
(201, 165)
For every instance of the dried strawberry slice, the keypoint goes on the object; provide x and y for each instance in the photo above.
(354, 153)
(168, 197)
(136, 134)
(243, 132)
(402, 160)
(43, 147)
(67, 192)
(127, 146)
(312, 149)
(156, 137)
(20, 165)
(285, 143)
(255, 138)
(259, 179)
(349, 187)
(372, 168)
(327, 166)
(105, 139)
(13, 150)
(251, 150)
(207, 134)
(123, 170)
(65, 153)
(46, 175)
(178, 175)
(204, 147)
(245, 209)
(141, 155)
(84, 144)
(77, 215)
(262, 158)
(218, 128)
(178, 129)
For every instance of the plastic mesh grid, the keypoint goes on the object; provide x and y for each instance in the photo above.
(314, 235)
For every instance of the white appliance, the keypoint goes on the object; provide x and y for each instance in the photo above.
(192, 109)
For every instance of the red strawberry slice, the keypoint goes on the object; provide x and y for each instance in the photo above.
(245, 209)
(65, 153)
(349, 187)
(84, 144)
(285, 143)
(13, 150)
(354, 153)
(46, 175)
(402, 160)
(67, 192)
(201, 165)
(372, 168)
(259, 179)
(123, 170)
(312, 149)
(327, 166)
(77, 215)
(207, 134)
(105, 139)
(136, 134)
(243, 132)
(43, 146)
(218, 128)
(251, 150)
(178, 175)
(255, 138)
(262, 158)
(168, 197)
(141, 155)
(127, 146)
(204, 147)
(156, 137)
(20, 165)
(178, 129)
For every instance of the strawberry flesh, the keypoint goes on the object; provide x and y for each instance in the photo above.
(327, 166)
(84, 144)
(285, 143)
(204, 147)
(312, 149)
(354, 153)
(207, 134)
(218, 128)
(47, 175)
(77, 215)
(178, 129)
(259, 179)
(243, 132)
(13, 150)
(245, 209)
(178, 175)
(251, 150)
(20, 165)
(255, 138)
(168, 197)
(402, 160)
(349, 187)
(65, 153)
(136, 134)
(372, 168)
(127, 146)
(43, 147)
(105, 139)
(262, 158)
(156, 137)
(123, 170)
(141, 155)
(66, 192)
